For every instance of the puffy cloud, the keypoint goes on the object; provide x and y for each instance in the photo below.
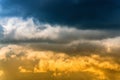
(28, 60)
(23, 70)
(18, 29)
(57, 50)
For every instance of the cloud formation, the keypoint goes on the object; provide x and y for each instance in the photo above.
(59, 39)
(18, 29)
(57, 64)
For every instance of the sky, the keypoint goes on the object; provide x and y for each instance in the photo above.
(59, 39)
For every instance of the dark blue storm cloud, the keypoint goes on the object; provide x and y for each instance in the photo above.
(87, 14)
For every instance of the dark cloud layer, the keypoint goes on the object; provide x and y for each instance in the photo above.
(87, 14)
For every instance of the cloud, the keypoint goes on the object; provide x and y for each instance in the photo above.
(86, 14)
(57, 64)
(17, 29)
(59, 40)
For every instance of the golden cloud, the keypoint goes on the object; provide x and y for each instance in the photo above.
(59, 63)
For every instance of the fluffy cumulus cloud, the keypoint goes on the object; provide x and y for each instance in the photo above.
(30, 48)
(18, 29)
(56, 64)
(43, 51)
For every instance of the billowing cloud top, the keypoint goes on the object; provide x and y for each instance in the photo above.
(18, 29)
(90, 14)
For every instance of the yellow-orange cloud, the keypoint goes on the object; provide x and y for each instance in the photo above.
(61, 63)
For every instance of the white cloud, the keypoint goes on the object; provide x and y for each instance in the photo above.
(20, 29)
